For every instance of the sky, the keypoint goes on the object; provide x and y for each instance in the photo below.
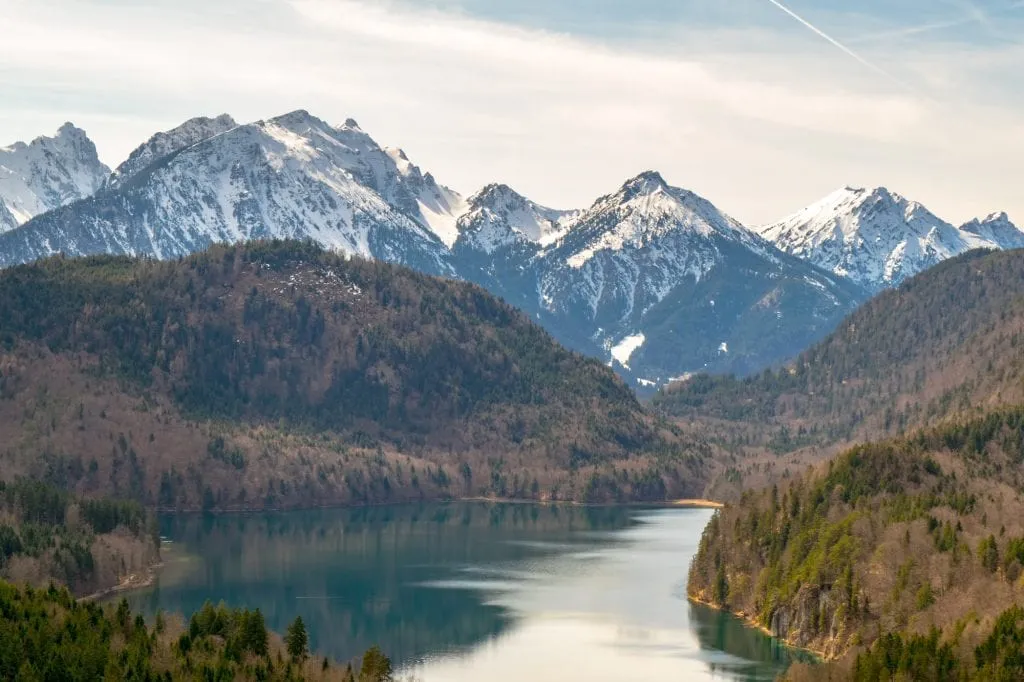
(762, 106)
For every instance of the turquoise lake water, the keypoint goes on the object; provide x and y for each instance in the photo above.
(473, 591)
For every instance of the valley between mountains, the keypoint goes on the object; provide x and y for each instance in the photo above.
(285, 314)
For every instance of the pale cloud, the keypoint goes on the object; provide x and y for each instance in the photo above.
(561, 117)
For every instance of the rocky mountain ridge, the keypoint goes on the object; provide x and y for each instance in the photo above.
(651, 278)
(878, 238)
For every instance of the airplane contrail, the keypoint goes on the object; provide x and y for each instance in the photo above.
(864, 62)
(908, 31)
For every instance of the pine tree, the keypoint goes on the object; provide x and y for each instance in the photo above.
(255, 635)
(721, 588)
(297, 640)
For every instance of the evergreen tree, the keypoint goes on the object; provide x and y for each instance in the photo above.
(297, 640)
(255, 635)
(988, 552)
(721, 586)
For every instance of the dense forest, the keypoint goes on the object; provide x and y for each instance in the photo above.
(88, 544)
(45, 634)
(946, 342)
(277, 374)
(897, 557)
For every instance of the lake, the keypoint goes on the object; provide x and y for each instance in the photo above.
(472, 591)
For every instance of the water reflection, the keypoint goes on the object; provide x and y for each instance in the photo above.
(740, 651)
(473, 591)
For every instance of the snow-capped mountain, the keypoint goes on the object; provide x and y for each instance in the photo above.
(501, 236)
(651, 277)
(998, 230)
(874, 237)
(665, 283)
(47, 173)
(293, 176)
(164, 144)
(497, 217)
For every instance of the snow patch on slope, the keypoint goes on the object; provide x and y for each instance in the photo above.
(624, 349)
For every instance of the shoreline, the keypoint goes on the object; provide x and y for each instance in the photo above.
(697, 503)
(130, 583)
(750, 622)
(685, 503)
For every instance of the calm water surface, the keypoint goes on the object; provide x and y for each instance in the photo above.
(465, 591)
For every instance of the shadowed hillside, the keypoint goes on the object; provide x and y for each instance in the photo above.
(949, 341)
(278, 374)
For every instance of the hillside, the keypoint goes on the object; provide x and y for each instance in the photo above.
(90, 545)
(946, 342)
(277, 374)
(898, 557)
(47, 635)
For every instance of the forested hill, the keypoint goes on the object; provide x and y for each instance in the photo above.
(279, 374)
(45, 634)
(90, 545)
(948, 341)
(899, 559)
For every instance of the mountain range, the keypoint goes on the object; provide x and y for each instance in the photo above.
(653, 279)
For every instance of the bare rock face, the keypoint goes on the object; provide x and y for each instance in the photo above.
(813, 620)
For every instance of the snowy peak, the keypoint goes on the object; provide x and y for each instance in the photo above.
(647, 183)
(47, 173)
(997, 229)
(666, 283)
(847, 212)
(211, 180)
(655, 206)
(301, 122)
(645, 210)
(497, 216)
(875, 237)
(169, 142)
(389, 172)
